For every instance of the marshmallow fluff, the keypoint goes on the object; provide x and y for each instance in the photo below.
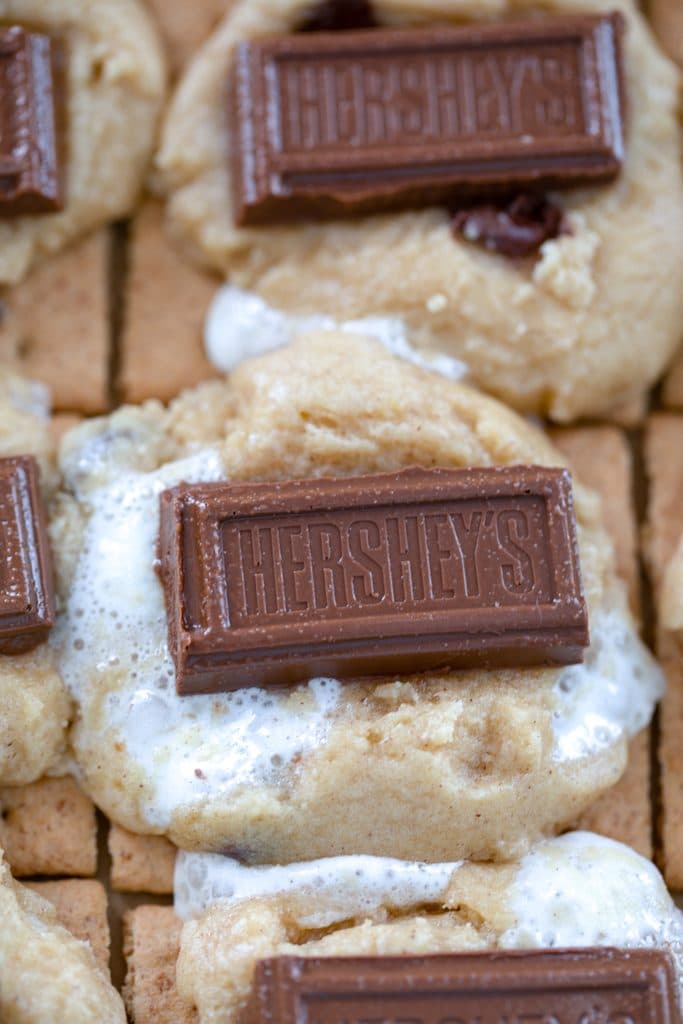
(240, 325)
(115, 622)
(576, 890)
(193, 749)
(614, 690)
(585, 890)
(350, 886)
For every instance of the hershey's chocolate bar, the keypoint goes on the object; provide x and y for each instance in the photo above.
(26, 587)
(30, 174)
(359, 122)
(275, 583)
(577, 986)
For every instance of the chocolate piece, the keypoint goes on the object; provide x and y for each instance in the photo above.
(338, 16)
(516, 228)
(26, 588)
(361, 122)
(30, 178)
(275, 583)
(573, 986)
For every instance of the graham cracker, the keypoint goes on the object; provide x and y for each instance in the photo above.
(48, 828)
(62, 422)
(55, 325)
(667, 18)
(151, 942)
(672, 389)
(664, 459)
(601, 457)
(140, 863)
(184, 26)
(624, 813)
(631, 413)
(166, 299)
(81, 906)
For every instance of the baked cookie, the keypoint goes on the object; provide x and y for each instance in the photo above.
(561, 334)
(474, 764)
(34, 704)
(46, 975)
(577, 890)
(114, 83)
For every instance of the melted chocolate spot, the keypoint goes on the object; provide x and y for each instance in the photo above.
(515, 227)
(339, 16)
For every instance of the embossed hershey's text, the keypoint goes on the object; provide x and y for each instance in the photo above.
(374, 99)
(388, 558)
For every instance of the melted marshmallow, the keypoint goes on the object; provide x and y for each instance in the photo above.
(343, 886)
(584, 890)
(614, 690)
(115, 628)
(576, 890)
(240, 325)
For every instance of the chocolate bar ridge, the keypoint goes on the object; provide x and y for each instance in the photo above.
(31, 179)
(326, 125)
(573, 986)
(363, 576)
(27, 610)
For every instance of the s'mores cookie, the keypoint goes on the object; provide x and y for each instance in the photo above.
(579, 890)
(34, 704)
(46, 975)
(83, 86)
(557, 332)
(475, 763)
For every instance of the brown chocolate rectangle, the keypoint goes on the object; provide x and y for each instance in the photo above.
(26, 587)
(357, 122)
(30, 174)
(275, 583)
(577, 986)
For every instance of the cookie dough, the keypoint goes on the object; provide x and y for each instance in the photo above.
(578, 890)
(46, 975)
(584, 329)
(34, 704)
(115, 84)
(474, 764)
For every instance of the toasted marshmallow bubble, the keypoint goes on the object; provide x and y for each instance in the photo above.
(578, 890)
(477, 763)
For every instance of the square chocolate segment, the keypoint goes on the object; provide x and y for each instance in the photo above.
(362, 576)
(26, 587)
(577, 986)
(359, 122)
(30, 174)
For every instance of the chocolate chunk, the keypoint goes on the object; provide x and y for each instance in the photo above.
(275, 583)
(338, 16)
(514, 228)
(30, 173)
(361, 122)
(571, 986)
(26, 588)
